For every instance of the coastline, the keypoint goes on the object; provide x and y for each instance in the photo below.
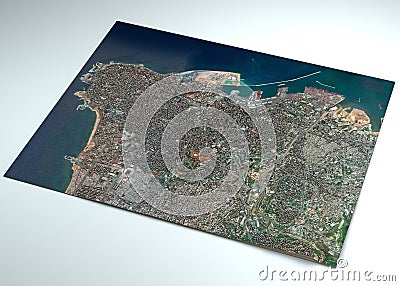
(358, 118)
(89, 145)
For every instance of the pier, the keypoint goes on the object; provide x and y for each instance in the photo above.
(283, 81)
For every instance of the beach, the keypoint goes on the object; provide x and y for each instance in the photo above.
(89, 145)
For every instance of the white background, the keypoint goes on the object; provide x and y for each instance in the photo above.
(47, 238)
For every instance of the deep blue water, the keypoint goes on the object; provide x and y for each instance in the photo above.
(369, 94)
(66, 131)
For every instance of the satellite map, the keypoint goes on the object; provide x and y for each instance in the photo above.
(260, 149)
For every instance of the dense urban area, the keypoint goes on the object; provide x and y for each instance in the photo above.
(300, 205)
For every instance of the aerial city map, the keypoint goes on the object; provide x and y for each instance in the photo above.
(260, 149)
